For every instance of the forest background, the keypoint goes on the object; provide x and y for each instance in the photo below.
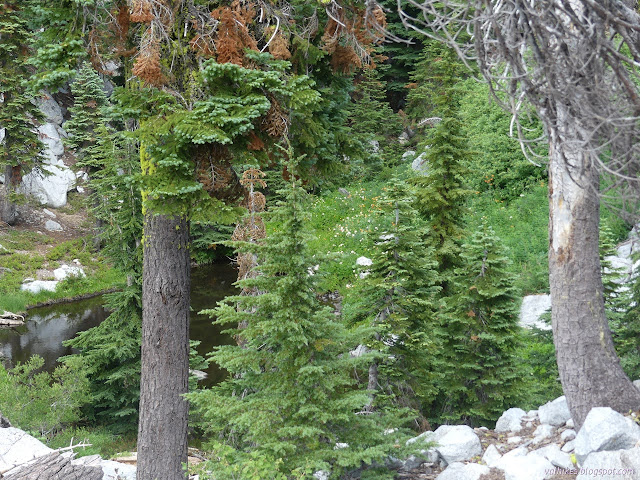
(201, 119)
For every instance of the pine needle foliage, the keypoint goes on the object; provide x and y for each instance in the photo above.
(290, 397)
(397, 299)
(21, 148)
(89, 99)
(110, 351)
(621, 296)
(483, 374)
(441, 194)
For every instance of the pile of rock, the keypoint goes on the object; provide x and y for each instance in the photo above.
(536, 445)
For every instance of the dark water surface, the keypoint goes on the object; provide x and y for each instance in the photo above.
(47, 327)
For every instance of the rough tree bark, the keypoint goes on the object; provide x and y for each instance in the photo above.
(7, 208)
(162, 431)
(589, 367)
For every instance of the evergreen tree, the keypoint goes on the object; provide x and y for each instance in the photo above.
(397, 299)
(441, 194)
(290, 397)
(483, 375)
(111, 350)
(370, 114)
(87, 115)
(621, 305)
(20, 146)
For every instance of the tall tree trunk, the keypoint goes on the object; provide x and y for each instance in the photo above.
(162, 432)
(590, 370)
(7, 207)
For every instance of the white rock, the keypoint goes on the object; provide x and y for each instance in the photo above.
(605, 429)
(364, 261)
(528, 424)
(359, 351)
(408, 154)
(65, 271)
(529, 467)
(49, 189)
(49, 213)
(533, 306)
(515, 439)
(491, 455)
(568, 435)
(569, 447)
(557, 457)
(533, 414)
(570, 423)
(39, 285)
(510, 421)
(419, 164)
(516, 452)
(50, 108)
(614, 465)
(50, 137)
(17, 447)
(457, 443)
(52, 226)
(424, 437)
(321, 475)
(460, 471)
(117, 471)
(555, 413)
(543, 431)
(80, 189)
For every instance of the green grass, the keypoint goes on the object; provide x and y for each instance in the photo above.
(17, 265)
(522, 225)
(343, 226)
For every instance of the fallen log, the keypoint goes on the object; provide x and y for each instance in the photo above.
(8, 319)
(54, 467)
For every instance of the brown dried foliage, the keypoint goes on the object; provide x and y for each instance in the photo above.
(279, 47)
(276, 121)
(147, 65)
(233, 32)
(255, 142)
(351, 40)
(141, 11)
(216, 174)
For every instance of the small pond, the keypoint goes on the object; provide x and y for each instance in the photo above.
(47, 327)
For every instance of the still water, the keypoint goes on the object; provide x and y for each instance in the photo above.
(47, 327)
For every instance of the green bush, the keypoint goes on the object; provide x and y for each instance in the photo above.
(42, 402)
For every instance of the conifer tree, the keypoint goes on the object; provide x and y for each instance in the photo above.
(482, 375)
(20, 146)
(397, 299)
(441, 194)
(89, 99)
(290, 397)
(111, 350)
(621, 305)
(371, 114)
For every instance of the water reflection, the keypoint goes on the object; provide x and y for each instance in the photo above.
(47, 327)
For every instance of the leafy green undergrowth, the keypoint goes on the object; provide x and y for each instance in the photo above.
(342, 225)
(18, 261)
(522, 224)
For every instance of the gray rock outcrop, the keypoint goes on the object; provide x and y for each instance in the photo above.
(555, 413)
(604, 429)
(510, 421)
(461, 471)
(613, 465)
